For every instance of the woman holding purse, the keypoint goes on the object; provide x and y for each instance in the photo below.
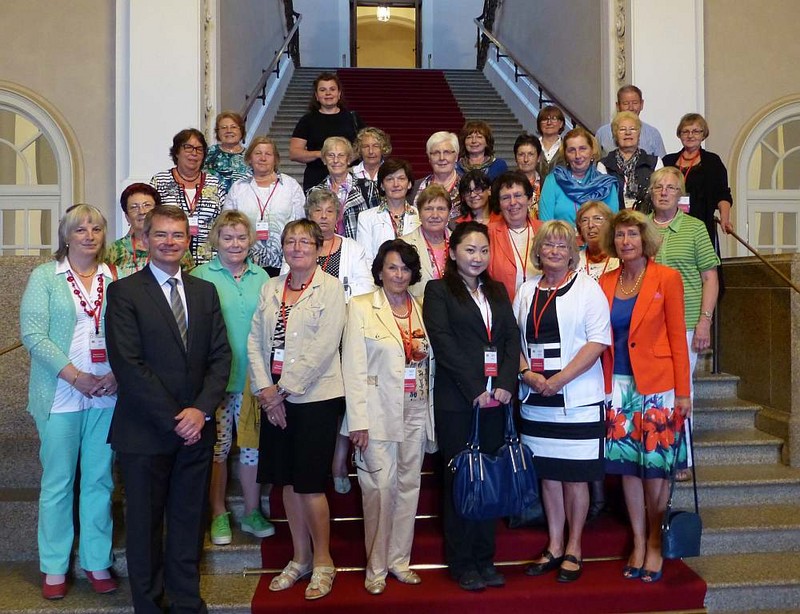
(475, 339)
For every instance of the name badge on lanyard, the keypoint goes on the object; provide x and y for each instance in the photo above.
(410, 379)
(194, 225)
(490, 361)
(262, 230)
(97, 348)
(277, 361)
(536, 352)
(684, 203)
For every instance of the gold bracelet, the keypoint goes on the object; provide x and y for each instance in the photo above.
(75, 379)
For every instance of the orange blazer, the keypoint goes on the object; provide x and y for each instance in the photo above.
(657, 339)
(502, 260)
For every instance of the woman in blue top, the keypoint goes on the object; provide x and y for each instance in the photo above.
(566, 188)
(226, 158)
(71, 397)
(238, 281)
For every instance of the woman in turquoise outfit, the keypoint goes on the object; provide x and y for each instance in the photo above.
(238, 281)
(226, 158)
(71, 397)
(566, 188)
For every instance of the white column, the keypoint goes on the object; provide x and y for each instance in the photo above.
(666, 61)
(159, 72)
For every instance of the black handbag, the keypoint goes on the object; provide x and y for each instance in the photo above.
(488, 486)
(681, 530)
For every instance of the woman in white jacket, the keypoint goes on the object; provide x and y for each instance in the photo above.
(385, 361)
(564, 326)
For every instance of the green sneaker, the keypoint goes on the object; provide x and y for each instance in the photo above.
(255, 524)
(221, 530)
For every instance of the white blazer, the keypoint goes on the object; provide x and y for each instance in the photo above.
(375, 227)
(583, 317)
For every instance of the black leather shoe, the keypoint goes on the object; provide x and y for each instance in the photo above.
(492, 577)
(570, 575)
(471, 581)
(538, 569)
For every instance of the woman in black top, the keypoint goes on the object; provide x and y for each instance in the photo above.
(327, 116)
(476, 343)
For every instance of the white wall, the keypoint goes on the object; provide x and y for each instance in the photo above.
(325, 32)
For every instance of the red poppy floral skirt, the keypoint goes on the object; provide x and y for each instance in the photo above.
(640, 431)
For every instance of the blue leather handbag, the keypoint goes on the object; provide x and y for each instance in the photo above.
(681, 531)
(488, 486)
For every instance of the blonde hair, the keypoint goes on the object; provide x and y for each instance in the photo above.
(231, 217)
(73, 217)
(555, 229)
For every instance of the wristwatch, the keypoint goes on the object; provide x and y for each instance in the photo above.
(521, 374)
(707, 314)
(281, 391)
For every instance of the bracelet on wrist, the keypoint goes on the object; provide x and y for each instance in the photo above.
(75, 379)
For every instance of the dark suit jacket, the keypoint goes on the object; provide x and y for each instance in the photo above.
(458, 336)
(157, 377)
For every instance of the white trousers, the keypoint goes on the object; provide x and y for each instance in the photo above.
(692, 365)
(390, 494)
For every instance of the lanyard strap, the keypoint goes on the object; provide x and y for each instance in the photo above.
(262, 208)
(407, 343)
(527, 250)
(538, 320)
(431, 252)
(283, 298)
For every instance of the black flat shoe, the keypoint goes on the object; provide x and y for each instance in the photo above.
(570, 575)
(538, 569)
(471, 581)
(492, 577)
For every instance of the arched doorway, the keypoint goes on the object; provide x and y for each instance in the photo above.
(768, 180)
(385, 34)
(36, 181)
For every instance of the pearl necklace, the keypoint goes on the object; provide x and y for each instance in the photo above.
(635, 285)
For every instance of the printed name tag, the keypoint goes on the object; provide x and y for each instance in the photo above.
(490, 361)
(277, 361)
(683, 203)
(410, 380)
(97, 349)
(262, 230)
(536, 352)
(194, 225)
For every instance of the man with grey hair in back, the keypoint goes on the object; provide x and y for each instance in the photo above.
(629, 98)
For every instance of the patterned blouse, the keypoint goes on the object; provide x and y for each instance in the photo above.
(228, 167)
(207, 206)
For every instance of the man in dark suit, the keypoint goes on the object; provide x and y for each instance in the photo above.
(168, 348)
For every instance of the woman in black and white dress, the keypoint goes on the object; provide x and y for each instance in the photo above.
(564, 326)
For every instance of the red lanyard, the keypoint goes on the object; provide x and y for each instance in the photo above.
(605, 266)
(85, 300)
(133, 246)
(328, 257)
(527, 250)
(407, 344)
(485, 316)
(693, 162)
(538, 321)
(198, 191)
(263, 208)
(283, 298)
(431, 252)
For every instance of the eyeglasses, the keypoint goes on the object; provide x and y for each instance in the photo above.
(332, 157)
(140, 206)
(301, 242)
(507, 198)
(229, 127)
(442, 153)
(191, 148)
(476, 191)
(555, 247)
(359, 455)
(669, 189)
(597, 220)
(551, 119)
(693, 132)
(628, 130)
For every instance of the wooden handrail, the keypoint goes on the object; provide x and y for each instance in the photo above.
(10, 348)
(259, 91)
(545, 92)
(760, 257)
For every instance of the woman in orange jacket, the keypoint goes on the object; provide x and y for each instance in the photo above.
(647, 376)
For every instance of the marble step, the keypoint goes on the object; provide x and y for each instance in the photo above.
(736, 446)
(750, 528)
(745, 582)
(711, 413)
(724, 485)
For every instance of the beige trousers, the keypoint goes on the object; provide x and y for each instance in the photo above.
(390, 494)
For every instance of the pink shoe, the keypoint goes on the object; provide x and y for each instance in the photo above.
(102, 586)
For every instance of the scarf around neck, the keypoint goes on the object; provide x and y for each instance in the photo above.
(595, 185)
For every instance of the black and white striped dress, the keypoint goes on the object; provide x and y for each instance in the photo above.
(567, 442)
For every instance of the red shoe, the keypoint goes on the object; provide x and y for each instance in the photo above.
(102, 586)
(53, 591)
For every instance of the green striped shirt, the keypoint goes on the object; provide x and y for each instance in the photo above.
(687, 248)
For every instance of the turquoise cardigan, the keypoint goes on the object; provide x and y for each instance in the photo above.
(47, 322)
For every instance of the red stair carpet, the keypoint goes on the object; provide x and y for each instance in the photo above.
(408, 104)
(602, 588)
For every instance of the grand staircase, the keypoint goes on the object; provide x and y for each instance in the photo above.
(749, 499)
